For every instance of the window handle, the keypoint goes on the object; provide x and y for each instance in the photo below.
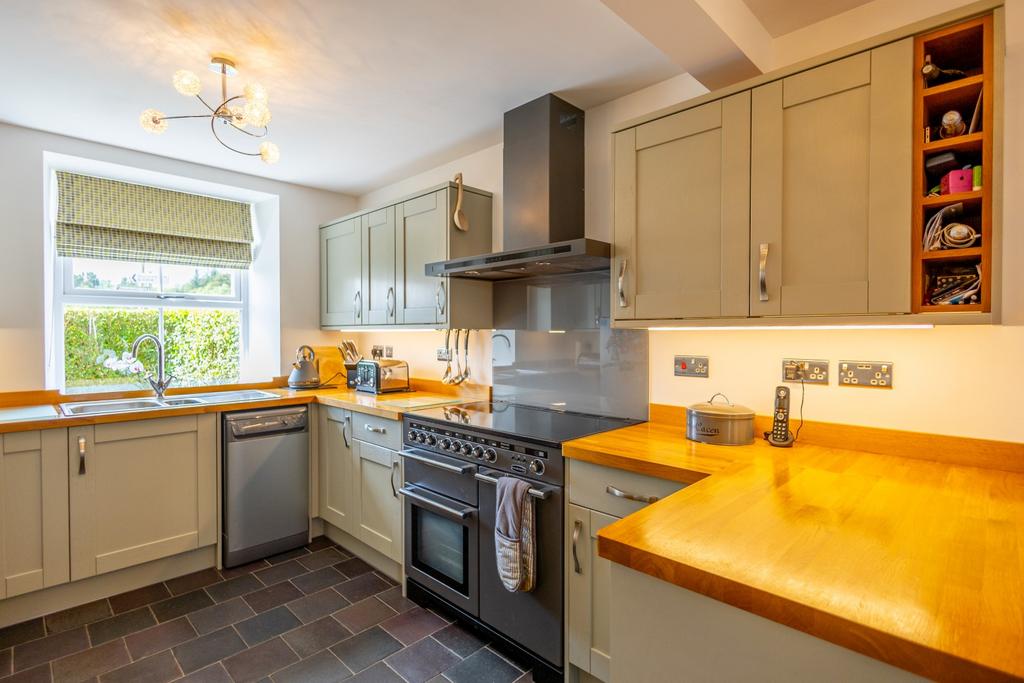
(170, 296)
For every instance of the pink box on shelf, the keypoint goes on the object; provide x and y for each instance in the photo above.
(957, 181)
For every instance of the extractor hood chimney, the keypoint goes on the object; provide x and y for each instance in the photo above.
(543, 230)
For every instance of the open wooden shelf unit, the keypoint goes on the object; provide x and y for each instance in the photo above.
(968, 48)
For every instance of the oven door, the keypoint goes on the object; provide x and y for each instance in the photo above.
(441, 546)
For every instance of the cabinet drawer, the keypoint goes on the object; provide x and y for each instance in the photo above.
(589, 486)
(378, 430)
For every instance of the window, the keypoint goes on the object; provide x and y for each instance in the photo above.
(198, 313)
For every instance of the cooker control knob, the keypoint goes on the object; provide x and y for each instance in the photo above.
(410, 435)
(478, 452)
(490, 455)
(537, 467)
(467, 449)
(446, 444)
(431, 440)
(421, 437)
(456, 447)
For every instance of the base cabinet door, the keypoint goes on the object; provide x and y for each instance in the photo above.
(336, 466)
(33, 511)
(589, 594)
(830, 188)
(341, 274)
(141, 491)
(377, 503)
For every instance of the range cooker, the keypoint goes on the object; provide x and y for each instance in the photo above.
(454, 456)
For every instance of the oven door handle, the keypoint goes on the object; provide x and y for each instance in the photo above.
(410, 492)
(457, 469)
(541, 494)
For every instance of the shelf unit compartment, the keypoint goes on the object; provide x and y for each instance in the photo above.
(967, 46)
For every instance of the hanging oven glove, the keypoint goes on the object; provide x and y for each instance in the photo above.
(514, 535)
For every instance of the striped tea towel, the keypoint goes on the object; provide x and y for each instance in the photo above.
(514, 537)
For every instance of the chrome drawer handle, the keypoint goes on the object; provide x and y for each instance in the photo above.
(409, 492)
(439, 298)
(619, 493)
(762, 277)
(357, 303)
(394, 468)
(391, 302)
(577, 527)
(622, 288)
(456, 469)
(344, 431)
(81, 455)
(376, 430)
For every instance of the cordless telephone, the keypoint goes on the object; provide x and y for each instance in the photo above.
(780, 435)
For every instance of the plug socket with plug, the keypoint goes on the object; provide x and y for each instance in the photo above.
(809, 371)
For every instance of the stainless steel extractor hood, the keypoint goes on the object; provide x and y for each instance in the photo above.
(543, 230)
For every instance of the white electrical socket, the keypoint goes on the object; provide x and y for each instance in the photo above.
(444, 355)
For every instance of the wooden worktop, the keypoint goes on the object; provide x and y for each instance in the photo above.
(914, 562)
(391, 406)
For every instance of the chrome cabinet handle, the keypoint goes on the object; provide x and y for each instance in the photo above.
(357, 303)
(394, 468)
(763, 271)
(439, 298)
(376, 430)
(410, 492)
(622, 285)
(541, 494)
(344, 431)
(81, 455)
(455, 469)
(391, 302)
(619, 493)
(577, 527)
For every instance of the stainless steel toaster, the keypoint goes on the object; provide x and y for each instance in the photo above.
(382, 375)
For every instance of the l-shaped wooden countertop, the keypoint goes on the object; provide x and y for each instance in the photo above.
(391, 406)
(911, 561)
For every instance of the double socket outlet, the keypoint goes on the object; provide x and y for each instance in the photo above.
(852, 373)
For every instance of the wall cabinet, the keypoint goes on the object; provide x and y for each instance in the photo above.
(375, 275)
(598, 496)
(140, 491)
(789, 199)
(34, 537)
(341, 273)
(682, 185)
(360, 478)
(830, 188)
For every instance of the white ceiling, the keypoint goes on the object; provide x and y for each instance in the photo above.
(780, 17)
(363, 92)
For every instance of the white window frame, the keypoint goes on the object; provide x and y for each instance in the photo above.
(68, 294)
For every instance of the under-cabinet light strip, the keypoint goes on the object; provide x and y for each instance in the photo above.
(791, 328)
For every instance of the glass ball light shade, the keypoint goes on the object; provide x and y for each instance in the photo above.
(269, 153)
(257, 113)
(254, 92)
(152, 121)
(187, 83)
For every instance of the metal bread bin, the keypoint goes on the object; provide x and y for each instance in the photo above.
(722, 424)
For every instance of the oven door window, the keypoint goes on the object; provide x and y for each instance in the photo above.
(440, 548)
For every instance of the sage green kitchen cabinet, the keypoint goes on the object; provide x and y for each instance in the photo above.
(589, 594)
(336, 468)
(830, 198)
(376, 501)
(379, 303)
(140, 491)
(682, 185)
(395, 244)
(341, 273)
(34, 538)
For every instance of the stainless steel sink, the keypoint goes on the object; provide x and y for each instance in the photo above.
(129, 405)
(103, 407)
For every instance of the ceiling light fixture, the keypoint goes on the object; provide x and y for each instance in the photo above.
(248, 110)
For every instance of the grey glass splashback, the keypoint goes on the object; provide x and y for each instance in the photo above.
(553, 347)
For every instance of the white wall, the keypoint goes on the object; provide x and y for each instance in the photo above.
(22, 268)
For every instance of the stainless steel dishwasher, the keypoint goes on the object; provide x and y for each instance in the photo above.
(266, 483)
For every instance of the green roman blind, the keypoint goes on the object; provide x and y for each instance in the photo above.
(101, 218)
